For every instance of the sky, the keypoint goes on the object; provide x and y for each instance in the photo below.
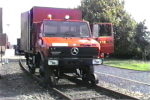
(12, 10)
(139, 10)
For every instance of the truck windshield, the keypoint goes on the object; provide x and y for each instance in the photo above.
(65, 29)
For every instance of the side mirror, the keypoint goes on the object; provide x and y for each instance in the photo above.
(96, 38)
(40, 35)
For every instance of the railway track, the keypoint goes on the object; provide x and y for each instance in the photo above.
(77, 89)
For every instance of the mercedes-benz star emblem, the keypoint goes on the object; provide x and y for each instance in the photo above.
(74, 51)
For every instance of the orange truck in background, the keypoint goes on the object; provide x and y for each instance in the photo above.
(58, 41)
(103, 33)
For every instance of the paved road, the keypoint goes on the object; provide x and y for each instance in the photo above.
(140, 76)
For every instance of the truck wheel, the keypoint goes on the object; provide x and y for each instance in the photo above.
(94, 79)
(92, 76)
(30, 66)
(47, 75)
(86, 73)
(32, 69)
(44, 75)
(53, 80)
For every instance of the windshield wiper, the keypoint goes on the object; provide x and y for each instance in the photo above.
(67, 34)
(84, 36)
(50, 34)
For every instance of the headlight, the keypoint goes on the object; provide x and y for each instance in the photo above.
(52, 62)
(97, 61)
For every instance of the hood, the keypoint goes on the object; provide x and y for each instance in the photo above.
(69, 41)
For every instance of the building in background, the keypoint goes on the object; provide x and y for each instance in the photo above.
(3, 36)
(4, 42)
(1, 29)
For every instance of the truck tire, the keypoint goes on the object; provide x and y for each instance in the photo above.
(44, 76)
(86, 73)
(89, 75)
(53, 80)
(31, 69)
(47, 75)
(94, 79)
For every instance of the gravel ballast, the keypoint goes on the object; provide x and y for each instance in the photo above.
(16, 85)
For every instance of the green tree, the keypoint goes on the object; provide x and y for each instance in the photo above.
(142, 39)
(102, 10)
(112, 11)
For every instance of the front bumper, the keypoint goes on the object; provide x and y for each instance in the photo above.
(74, 62)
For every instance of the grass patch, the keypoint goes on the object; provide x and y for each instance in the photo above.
(129, 64)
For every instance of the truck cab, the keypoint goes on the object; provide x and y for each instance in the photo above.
(63, 33)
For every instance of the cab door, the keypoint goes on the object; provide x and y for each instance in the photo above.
(103, 33)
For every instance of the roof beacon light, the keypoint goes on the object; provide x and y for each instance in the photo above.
(67, 17)
(50, 16)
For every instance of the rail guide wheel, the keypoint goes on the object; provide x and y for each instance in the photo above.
(89, 75)
(47, 75)
(94, 79)
(31, 69)
(52, 78)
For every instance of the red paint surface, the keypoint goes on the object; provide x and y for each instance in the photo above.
(40, 13)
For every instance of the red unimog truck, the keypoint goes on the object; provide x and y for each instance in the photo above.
(58, 41)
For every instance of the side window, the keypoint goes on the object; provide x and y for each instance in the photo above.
(105, 30)
(95, 31)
